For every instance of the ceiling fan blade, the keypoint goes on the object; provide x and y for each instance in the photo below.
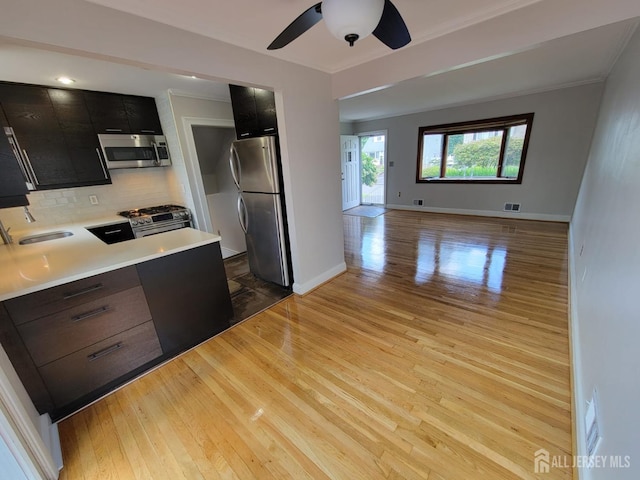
(392, 31)
(300, 25)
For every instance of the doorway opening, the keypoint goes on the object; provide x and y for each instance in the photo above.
(217, 193)
(372, 168)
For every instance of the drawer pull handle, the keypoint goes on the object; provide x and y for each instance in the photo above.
(92, 313)
(77, 293)
(104, 352)
(112, 232)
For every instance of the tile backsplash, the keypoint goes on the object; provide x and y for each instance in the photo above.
(131, 188)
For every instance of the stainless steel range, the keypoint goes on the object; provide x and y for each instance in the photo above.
(152, 220)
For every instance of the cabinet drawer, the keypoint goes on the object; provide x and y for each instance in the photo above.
(81, 372)
(35, 305)
(62, 333)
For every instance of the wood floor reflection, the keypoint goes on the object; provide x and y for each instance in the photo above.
(442, 353)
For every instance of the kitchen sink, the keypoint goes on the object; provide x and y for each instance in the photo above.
(43, 237)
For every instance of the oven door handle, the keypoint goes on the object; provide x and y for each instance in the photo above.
(153, 229)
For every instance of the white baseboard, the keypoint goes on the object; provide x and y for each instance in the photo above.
(545, 217)
(579, 402)
(51, 438)
(227, 252)
(306, 287)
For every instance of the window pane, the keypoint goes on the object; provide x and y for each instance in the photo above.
(431, 155)
(513, 154)
(473, 155)
(471, 151)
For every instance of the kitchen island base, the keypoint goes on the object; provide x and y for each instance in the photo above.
(185, 292)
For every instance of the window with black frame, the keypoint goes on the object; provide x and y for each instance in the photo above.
(482, 151)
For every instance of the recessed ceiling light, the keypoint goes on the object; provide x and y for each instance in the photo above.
(193, 76)
(66, 80)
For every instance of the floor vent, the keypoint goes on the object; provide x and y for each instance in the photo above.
(511, 207)
(418, 202)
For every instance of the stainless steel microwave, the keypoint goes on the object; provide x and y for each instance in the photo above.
(134, 151)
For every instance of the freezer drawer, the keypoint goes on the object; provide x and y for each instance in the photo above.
(261, 217)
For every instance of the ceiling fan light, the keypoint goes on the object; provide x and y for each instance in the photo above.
(345, 18)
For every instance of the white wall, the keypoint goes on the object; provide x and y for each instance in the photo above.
(558, 147)
(605, 235)
(346, 128)
(212, 146)
(307, 114)
(183, 109)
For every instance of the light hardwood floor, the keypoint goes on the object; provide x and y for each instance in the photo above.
(441, 354)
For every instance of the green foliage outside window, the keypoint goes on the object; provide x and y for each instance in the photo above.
(480, 159)
(485, 153)
(369, 170)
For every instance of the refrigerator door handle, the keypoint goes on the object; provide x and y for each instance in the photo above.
(242, 213)
(234, 163)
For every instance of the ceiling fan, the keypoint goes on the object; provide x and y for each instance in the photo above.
(350, 20)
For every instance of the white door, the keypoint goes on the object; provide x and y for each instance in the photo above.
(350, 155)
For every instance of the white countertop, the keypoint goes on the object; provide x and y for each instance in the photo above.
(30, 268)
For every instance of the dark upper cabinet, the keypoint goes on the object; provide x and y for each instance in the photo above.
(31, 115)
(254, 111)
(266, 108)
(142, 115)
(57, 130)
(13, 189)
(107, 112)
(114, 113)
(54, 144)
(245, 115)
(80, 138)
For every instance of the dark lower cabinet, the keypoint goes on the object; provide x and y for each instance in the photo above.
(22, 362)
(73, 343)
(188, 296)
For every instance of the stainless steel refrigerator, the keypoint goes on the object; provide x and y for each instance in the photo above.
(255, 169)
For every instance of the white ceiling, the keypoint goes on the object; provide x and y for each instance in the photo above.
(582, 57)
(573, 60)
(253, 24)
(42, 67)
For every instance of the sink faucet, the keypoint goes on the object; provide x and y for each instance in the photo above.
(4, 232)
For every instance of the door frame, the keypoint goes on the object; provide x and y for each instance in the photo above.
(192, 165)
(21, 428)
(374, 133)
(359, 172)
